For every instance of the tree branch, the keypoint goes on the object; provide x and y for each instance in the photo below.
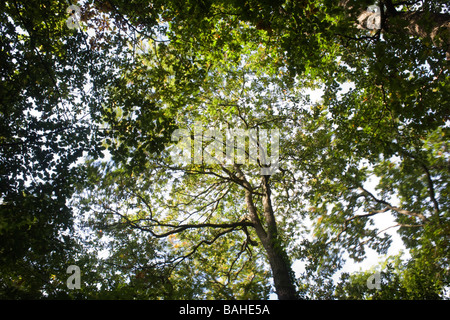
(393, 208)
(431, 188)
(390, 8)
(208, 242)
(394, 226)
(177, 228)
(428, 174)
(253, 213)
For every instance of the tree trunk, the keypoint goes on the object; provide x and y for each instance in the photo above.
(278, 259)
(281, 270)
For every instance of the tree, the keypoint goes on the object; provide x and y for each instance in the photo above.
(398, 280)
(43, 132)
(51, 92)
(246, 108)
(229, 64)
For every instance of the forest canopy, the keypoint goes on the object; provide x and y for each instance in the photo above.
(198, 149)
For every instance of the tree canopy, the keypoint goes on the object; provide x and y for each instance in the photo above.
(197, 149)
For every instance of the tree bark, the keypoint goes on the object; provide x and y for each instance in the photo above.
(281, 271)
(419, 24)
(279, 261)
(268, 235)
(435, 26)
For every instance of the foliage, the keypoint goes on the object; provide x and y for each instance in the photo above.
(415, 279)
(43, 132)
(138, 70)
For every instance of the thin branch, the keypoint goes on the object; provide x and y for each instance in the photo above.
(431, 188)
(131, 25)
(195, 171)
(183, 227)
(393, 208)
(371, 213)
(427, 172)
(394, 226)
(346, 223)
(241, 251)
(375, 212)
(208, 242)
(176, 228)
